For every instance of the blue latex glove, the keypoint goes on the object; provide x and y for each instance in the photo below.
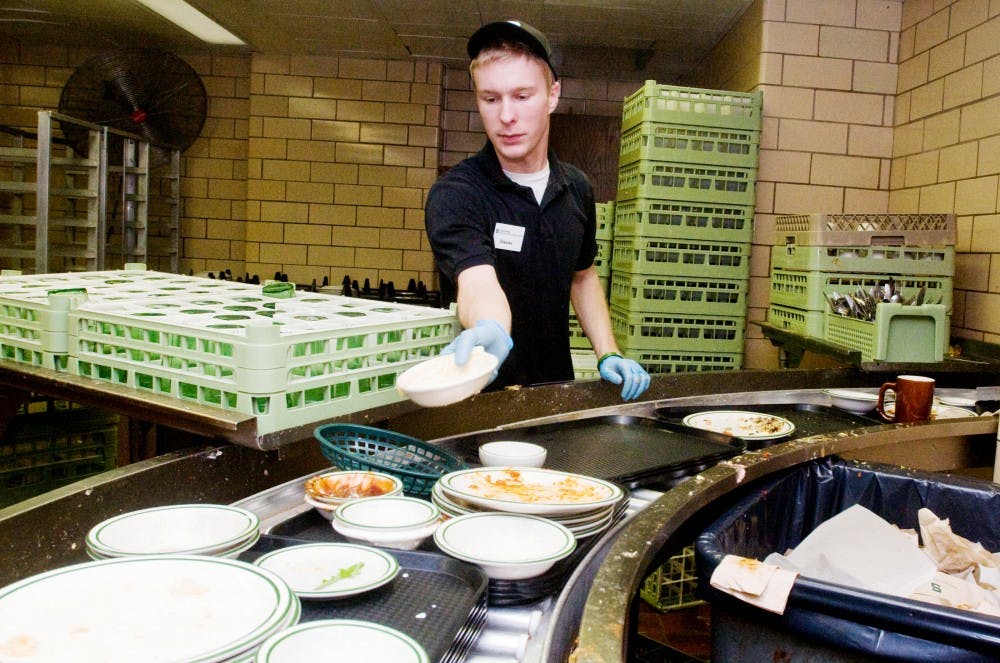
(626, 372)
(490, 334)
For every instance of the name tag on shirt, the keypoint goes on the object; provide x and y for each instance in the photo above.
(508, 237)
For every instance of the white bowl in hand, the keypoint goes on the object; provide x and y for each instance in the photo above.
(439, 381)
(510, 453)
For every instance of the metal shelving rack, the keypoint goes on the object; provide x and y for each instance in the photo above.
(64, 211)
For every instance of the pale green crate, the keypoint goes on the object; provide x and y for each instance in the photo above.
(677, 332)
(809, 290)
(685, 143)
(676, 294)
(797, 321)
(605, 220)
(865, 229)
(287, 362)
(657, 361)
(680, 257)
(584, 365)
(674, 219)
(908, 260)
(577, 339)
(674, 584)
(900, 333)
(602, 261)
(655, 102)
(689, 182)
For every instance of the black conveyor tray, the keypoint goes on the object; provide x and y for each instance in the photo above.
(310, 527)
(435, 599)
(634, 451)
(809, 419)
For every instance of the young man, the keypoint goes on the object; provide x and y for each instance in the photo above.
(513, 227)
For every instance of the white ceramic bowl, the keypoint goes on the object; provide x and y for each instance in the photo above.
(507, 546)
(325, 510)
(510, 453)
(439, 381)
(335, 488)
(859, 402)
(394, 522)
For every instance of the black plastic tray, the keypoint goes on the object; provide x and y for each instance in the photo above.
(437, 600)
(638, 452)
(809, 419)
(310, 527)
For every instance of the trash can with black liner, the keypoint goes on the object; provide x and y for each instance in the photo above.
(824, 621)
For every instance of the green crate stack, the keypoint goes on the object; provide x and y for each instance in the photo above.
(818, 255)
(683, 226)
(47, 449)
(602, 263)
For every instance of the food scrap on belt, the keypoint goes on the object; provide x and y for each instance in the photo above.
(741, 470)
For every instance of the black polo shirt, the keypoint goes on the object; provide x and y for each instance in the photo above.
(464, 208)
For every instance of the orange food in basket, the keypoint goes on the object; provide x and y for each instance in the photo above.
(359, 484)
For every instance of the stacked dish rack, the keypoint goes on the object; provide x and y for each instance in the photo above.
(818, 256)
(683, 225)
(285, 357)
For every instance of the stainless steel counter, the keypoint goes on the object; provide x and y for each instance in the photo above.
(49, 531)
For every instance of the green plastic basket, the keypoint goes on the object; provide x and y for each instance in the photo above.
(416, 463)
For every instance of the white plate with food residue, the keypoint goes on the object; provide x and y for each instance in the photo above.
(530, 490)
(192, 608)
(330, 570)
(743, 424)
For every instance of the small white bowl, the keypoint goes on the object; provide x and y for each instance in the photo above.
(858, 402)
(507, 546)
(335, 488)
(394, 522)
(509, 453)
(325, 510)
(439, 381)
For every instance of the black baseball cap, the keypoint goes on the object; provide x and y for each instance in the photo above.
(511, 31)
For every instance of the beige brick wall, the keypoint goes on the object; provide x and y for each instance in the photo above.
(341, 153)
(828, 73)
(948, 134)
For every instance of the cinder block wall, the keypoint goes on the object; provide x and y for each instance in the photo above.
(341, 154)
(946, 152)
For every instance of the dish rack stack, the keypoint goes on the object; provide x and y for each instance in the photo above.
(584, 361)
(683, 225)
(816, 257)
(286, 357)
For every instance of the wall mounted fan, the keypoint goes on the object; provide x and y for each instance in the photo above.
(147, 92)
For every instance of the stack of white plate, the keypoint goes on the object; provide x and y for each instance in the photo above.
(191, 608)
(180, 529)
(584, 505)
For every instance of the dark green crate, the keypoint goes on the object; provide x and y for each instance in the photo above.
(43, 451)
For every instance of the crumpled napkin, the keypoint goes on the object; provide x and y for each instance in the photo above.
(763, 585)
(858, 548)
(951, 552)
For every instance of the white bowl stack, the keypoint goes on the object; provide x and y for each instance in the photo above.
(178, 529)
